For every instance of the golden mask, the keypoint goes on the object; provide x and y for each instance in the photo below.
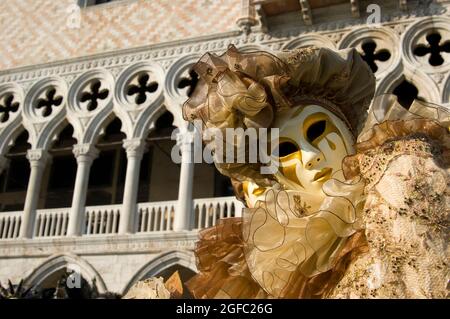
(253, 193)
(312, 144)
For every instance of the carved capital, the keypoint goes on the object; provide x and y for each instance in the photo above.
(135, 147)
(185, 140)
(38, 157)
(85, 152)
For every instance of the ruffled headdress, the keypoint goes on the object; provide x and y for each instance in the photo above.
(238, 89)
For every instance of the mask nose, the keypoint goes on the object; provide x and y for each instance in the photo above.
(313, 160)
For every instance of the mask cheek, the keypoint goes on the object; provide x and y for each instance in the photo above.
(333, 148)
(305, 176)
(289, 169)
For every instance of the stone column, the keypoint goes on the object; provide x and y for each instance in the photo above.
(135, 149)
(38, 159)
(183, 214)
(85, 155)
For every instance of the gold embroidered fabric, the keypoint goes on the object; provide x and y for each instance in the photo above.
(403, 156)
(391, 127)
(406, 218)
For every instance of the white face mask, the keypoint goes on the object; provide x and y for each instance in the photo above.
(312, 144)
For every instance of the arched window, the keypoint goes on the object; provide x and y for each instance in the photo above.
(59, 177)
(55, 286)
(107, 176)
(14, 179)
(159, 175)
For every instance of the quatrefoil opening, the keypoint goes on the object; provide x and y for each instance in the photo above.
(434, 48)
(93, 94)
(189, 82)
(8, 105)
(371, 55)
(139, 86)
(48, 100)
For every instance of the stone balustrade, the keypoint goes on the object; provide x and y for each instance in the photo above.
(105, 220)
(209, 210)
(10, 225)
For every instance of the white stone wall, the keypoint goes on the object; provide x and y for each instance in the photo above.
(115, 262)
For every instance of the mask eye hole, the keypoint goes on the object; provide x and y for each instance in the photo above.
(316, 130)
(286, 148)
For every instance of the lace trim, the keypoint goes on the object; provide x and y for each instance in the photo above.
(373, 163)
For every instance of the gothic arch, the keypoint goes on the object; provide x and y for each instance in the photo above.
(92, 133)
(38, 124)
(415, 34)
(162, 262)
(50, 133)
(8, 136)
(174, 96)
(88, 123)
(424, 83)
(13, 118)
(143, 126)
(383, 38)
(60, 261)
(136, 116)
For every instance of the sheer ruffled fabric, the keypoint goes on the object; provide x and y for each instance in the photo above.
(223, 272)
(387, 122)
(283, 247)
(237, 90)
(294, 233)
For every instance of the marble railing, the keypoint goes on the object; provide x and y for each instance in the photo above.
(104, 220)
(156, 216)
(10, 225)
(208, 211)
(100, 220)
(51, 222)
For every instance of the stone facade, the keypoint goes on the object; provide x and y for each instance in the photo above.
(45, 30)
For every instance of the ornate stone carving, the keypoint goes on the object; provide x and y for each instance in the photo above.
(85, 151)
(37, 157)
(135, 147)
